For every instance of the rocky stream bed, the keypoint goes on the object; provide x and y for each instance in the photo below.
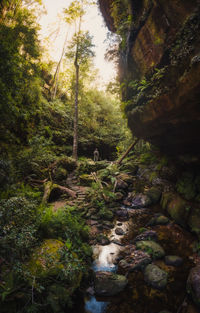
(141, 263)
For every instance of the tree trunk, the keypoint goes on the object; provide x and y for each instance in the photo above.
(75, 140)
(127, 151)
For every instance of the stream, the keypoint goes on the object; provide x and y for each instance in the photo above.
(105, 260)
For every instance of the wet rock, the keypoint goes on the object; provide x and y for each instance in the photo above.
(117, 242)
(109, 284)
(119, 231)
(124, 265)
(155, 277)
(95, 217)
(139, 260)
(193, 284)
(103, 240)
(119, 224)
(159, 220)
(141, 201)
(90, 291)
(108, 225)
(147, 235)
(122, 215)
(152, 248)
(91, 222)
(173, 260)
(154, 194)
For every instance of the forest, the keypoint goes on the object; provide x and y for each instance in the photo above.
(100, 184)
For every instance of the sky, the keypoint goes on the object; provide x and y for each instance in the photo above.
(93, 22)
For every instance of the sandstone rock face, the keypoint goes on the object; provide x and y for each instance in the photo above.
(160, 67)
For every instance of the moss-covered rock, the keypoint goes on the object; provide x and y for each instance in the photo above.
(45, 260)
(155, 277)
(106, 214)
(154, 194)
(86, 180)
(176, 207)
(109, 284)
(152, 248)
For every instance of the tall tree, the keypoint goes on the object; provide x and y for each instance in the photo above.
(80, 50)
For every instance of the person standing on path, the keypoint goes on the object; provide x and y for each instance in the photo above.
(96, 155)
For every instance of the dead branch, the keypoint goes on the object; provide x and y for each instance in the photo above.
(127, 152)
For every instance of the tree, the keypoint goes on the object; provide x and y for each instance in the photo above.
(80, 50)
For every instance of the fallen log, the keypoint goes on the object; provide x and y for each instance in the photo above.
(49, 187)
(127, 152)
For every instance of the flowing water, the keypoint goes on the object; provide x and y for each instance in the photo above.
(104, 260)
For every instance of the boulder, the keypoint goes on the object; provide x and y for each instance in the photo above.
(138, 260)
(173, 260)
(140, 201)
(119, 231)
(122, 214)
(193, 284)
(109, 284)
(147, 235)
(158, 220)
(155, 277)
(152, 248)
(154, 194)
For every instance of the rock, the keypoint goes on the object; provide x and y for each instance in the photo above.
(176, 207)
(103, 240)
(147, 235)
(119, 231)
(108, 224)
(106, 214)
(86, 180)
(193, 284)
(139, 260)
(155, 277)
(124, 265)
(117, 242)
(119, 224)
(109, 284)
(45, 259)
(152, 248)
(154, 194)
(119, 196)
(141, 201)
(122, 214)
(159, 220)
(194, 221)
(121, 185)
(173, 260)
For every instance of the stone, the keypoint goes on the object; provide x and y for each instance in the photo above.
(152, 248)
(154, 194)
(159, 220)
(138, 260)
(108, 224)
(103, 240)
(119, 196)
(173, 260)
(122, 214)
(141, 201)
(117, 242)
(147, 235)
(155, 277)
(119, 231)
(109, 284)
(176, 207)
(193, 284)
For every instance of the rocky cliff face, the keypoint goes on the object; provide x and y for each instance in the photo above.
(160, 70)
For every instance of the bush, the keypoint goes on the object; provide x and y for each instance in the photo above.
(18, 228)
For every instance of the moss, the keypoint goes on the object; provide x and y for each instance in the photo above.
(45, 260)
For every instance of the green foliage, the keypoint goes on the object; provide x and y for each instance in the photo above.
(66, 224)
(18, 228)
